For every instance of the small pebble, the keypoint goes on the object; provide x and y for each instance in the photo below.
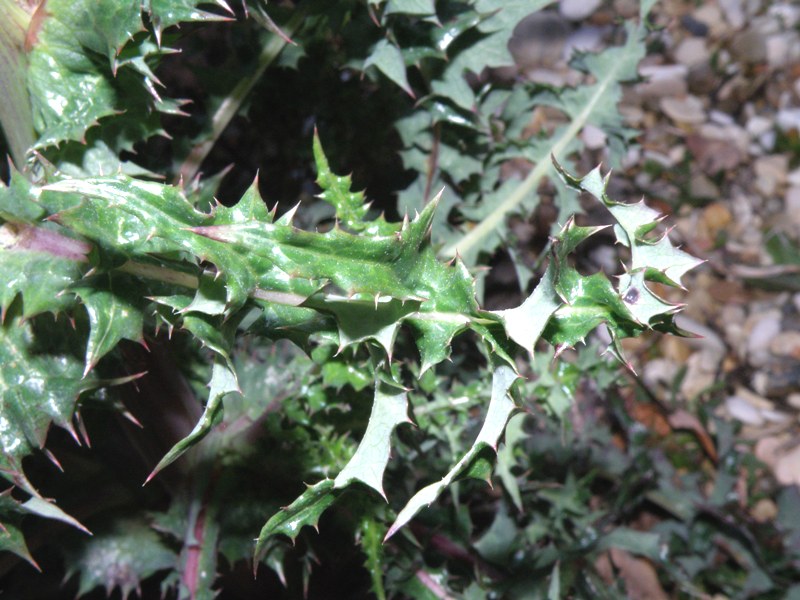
(741, 410)
(578, 10)
(693, 26)
(688, 109)
(765, 328)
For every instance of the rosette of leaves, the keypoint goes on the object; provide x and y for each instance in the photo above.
(150, 249)
(69, 67)
(85, 240)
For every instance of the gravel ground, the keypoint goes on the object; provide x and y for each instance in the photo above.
(719, 111)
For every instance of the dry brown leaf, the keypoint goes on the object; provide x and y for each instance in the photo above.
(682, 419)
(639, 575)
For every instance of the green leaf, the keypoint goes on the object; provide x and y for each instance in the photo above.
(387, 57)
(15, 115)
(371, 540)
(16, 203)
(594, 104)
(490, 51)
(410, 7)
(39, 385)
(554, 589)
(113, 316)
(69, 88)
(350, 206)
(11, 537)
(119, 555)
(223, 382)
(506, 460)
(165, 13)
(39, 265)
(525, 323)
(500, 408)
(566, 306)
(48, 510)
(389, 409)
(635, 222)
(498, 542)
(643, 543)
(377, 320)
(388, 274)
(305, 510)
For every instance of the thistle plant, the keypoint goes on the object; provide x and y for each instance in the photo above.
(112, 253)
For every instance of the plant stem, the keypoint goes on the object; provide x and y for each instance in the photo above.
(231, 104)
(531, 182)
(16, 118)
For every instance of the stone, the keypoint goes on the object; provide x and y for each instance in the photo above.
(786, 343)
(734, 13)
(764, 511)
(758, 125)
(692, 52)
(788, 119)
(750, 46)
(687, 109)
(702, 188)
(593, 137)
(715, 154)
(662, 80)
(783, 49)
(771, 173)
(741, 410)
(578, 10)
(703, 79)
(538, 40)
(787, 467)
(694, 26)
(787, 15)
(626, 8)
(792, 205)
(587, 38)
(716, 217)
(762, 329)
(710, 15)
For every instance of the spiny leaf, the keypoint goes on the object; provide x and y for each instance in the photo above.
(350, 207)
(594, 103)
(410, 7)
(393, 267)
(11, 514)
(651, 260)
(500, 408)
(490, 51)
(39, 385)
(370, 538)
(223, 382)
(120, 555)
(113, 314)
(525, 323)
(70, 91)
(306, 510)
(16, 203)
(30, 268)
(389, 60)
(566, 306)
(389, 409)
(36, 505)
(11, 537)
(635, 221)
(377, 320)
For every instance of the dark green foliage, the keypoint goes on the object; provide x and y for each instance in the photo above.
(281, 356)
